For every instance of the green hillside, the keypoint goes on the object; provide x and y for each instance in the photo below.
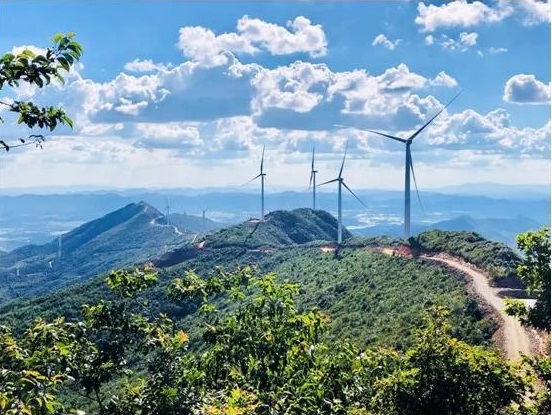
(280, 228)
(119, 239)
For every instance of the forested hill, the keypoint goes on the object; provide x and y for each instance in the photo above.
(121, 238)
(280, 228)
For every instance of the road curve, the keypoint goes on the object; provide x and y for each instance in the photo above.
(516, 340)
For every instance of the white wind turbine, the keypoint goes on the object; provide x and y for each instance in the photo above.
(312, 181)
(262, 175)
(341, 182)
(409, 166)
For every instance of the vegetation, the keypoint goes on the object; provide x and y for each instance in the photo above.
(280, 228)
(355, 289)
(499, 260)
(119, 239)
(38, 70)
(534, 270)
(265, 356)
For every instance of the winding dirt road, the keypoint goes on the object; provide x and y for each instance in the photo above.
(515, 339)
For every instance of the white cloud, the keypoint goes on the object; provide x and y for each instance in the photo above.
(533, 11)
(381, 39)
(460, 13)
(203, 46)
(462, 44)
(526, 89)
(497, 51)
(147, 65)
(443, 79)
(429, 40)
(465, 14)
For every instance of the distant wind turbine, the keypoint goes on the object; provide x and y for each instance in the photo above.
(167, 210)
(341, 182)
(262, 175)
(409, 166)
(204, 211)
(312, 181)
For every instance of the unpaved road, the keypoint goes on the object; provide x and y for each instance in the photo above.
(515, 339)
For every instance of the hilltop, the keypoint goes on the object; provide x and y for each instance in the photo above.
(280, 228)
(121, 238)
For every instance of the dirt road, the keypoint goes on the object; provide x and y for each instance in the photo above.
(515, 339)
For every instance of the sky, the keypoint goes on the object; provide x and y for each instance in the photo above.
(186, 94)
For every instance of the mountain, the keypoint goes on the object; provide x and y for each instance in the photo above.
(280, 228)
(36, 219)
(496, 229)
(132, 234)
(192, 223)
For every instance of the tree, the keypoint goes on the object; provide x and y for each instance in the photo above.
(534, 271)
(38, 70)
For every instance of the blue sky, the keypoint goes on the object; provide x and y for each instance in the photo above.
(186, 94)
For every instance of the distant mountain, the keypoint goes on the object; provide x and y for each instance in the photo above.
(134, 233)
(193, 223)
(496, 229)
(280, 228)
(495, 190)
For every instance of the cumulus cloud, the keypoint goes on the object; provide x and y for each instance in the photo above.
(462, 44)
(460, 13)
(429, 40)
(526, 89)
(465, 14)
(381, 39)
(147, 65)
(208, 49)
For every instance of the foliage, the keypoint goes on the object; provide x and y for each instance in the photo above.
(534, 270)
(499, 260)
(266, 355)
(38, 70)
(280, 228)
(445, 376)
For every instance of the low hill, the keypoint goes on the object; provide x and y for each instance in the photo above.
(192, 223)
(496, 229)
(121, 238)
(280, 228)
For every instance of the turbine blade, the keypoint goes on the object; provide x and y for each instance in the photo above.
(250, 180)
(262, 160)
(413, 136)
(414, 177)
(343, 163)
(329, 181)
(310, 181)
(312, 164)
(402, 140)
(356, 197)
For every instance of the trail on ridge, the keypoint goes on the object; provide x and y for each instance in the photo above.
(516, 339)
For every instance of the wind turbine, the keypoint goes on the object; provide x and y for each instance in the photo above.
(312, 182)
(167, 210)
(341, 182)
(409, 166)
(262, 175)
(204, 211)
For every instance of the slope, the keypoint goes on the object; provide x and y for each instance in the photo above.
(280, 228)
(128, 235)
(371, 298)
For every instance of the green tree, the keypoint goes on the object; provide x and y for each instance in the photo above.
(443, 375)
(38, 70)
(534, 271)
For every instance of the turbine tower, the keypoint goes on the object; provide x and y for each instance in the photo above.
(167, 210)
(409, 167)
(312, 182)
(341, 182)
(204, 211)
(262, 175)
